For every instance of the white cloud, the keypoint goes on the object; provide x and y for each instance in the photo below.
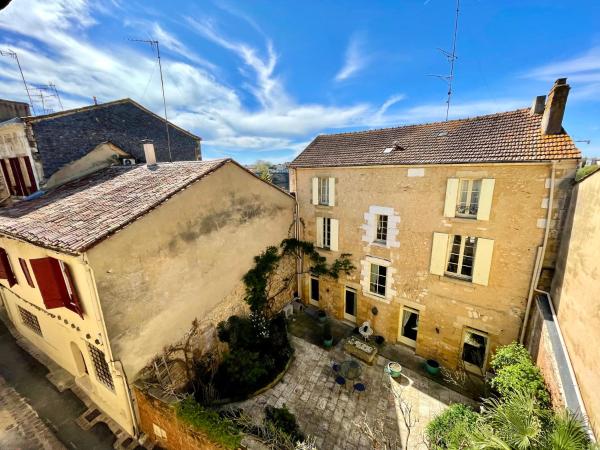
(355, 59)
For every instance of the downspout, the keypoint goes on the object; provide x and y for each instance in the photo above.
(297, 236)
(541, 252)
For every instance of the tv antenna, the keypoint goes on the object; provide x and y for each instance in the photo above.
(12, 54)
(451, 57)
(46, 91)
(154, 44)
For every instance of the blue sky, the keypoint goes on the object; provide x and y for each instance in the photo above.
(259, 79)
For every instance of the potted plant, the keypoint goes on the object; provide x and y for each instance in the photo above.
(379, 340)
(322, 316)
(327, 337)
(432, 367)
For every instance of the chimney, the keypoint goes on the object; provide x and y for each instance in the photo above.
(538, 105)
(555, 107)
(149, 152)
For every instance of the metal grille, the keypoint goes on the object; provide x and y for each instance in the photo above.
(30, 321)
(101, 367)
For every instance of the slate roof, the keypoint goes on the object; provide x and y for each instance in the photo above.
(66, 136)
(512, 136)
(78, 214)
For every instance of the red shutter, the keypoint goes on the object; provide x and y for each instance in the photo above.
(16, 171)
(33, 187)
(50, 279)
(6, 272)
(73, 300)
(26, 272)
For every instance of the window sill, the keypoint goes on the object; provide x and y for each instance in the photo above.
(463, 219)
(381, 298)
(457, 280)
(380, 244)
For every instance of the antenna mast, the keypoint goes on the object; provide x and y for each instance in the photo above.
(11, 54)
(452, 58)
(154, 45)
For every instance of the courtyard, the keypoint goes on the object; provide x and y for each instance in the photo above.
(339, 417)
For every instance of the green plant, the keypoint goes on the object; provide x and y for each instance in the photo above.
(568, 432)
(285, 421)
(510, 354)
(218, 429)
(521, 376)
(451, 428)
(585, 171)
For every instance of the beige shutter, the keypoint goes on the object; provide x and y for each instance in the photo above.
(451, 196)
(439, 251)
(331, 191)
(315, 191)
(319, 225)
(485, 199)
(483, 261)
(335, 231)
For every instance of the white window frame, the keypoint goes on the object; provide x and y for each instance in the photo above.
(461, 254)
(401, 338)
(466, 185)
(310, 290)
(377, 281)
(326, 233)
(472, 367)
(381, 230)
(323, 187)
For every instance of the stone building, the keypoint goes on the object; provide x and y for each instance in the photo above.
(449, 224)
(44, 151)
(103, 272)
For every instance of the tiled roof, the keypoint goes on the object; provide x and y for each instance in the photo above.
(76, 215)
(504, 137)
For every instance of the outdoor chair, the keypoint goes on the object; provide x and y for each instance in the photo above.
(335, 367)
(340, 381)
(359, 387)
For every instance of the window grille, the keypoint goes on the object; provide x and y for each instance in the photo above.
(30, 321)
(101, 367)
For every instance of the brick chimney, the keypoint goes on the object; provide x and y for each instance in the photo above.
(555, 107)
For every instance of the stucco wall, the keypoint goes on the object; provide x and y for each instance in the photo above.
(446, 305)
(184, 258)
(576, 288)
(63, 331)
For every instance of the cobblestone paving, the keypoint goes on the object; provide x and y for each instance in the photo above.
(329, 412)
(20, 426)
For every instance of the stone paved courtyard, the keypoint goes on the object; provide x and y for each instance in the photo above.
(329, 412)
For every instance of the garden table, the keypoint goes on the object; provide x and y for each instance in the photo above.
(350, 369)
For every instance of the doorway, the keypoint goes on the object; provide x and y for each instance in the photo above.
(350, 304)
(474, 350)
(314, 291)
(409, 326)
(80, 364)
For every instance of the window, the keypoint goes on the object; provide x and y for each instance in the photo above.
(378, 279)
(19, 175)
(101, 367)
(314, 289)
(468, 198)
(461, 255)
(6, 272)
(326, 232)
(409, 326)
(26, 272)
(474, 350)
(56, 284)
(323, 191)
(382, 228)
(30, 321)
(350, 304)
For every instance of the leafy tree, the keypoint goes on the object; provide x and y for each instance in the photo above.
(262, 170)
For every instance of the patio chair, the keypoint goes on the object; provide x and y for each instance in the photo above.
(340, 381)
(359, 387)
(335, 367)
(365, 330)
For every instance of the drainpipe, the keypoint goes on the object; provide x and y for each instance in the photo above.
(297, 236)
(541, 252)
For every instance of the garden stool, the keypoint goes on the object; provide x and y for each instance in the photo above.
(335, 367)
(359, 387)
(340, 380)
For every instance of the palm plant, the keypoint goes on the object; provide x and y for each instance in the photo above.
(568, 432)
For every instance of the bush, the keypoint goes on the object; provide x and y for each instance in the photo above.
(510, 354)
(285, 421)
(451, 428)
(218, 429)
(521, 376)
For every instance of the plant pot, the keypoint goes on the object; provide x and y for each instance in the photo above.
(322, 316)
(432, 367)
(379, 340)
(394, 369)
(327, 343)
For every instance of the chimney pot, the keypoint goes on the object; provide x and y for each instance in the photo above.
(538, 105)
(149, 152)
(555, 107)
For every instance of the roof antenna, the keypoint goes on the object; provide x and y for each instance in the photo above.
(451, 56)
(11, 54)
(154, 44)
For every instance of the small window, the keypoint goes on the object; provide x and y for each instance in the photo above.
(6, 271)
(101, 367)
(461, 255)
(30, 320)
(314, 289)
(326, 232)
(26, 273)
(378, 279)
(474, 351)
(468, 198)
(323, 191)
(382, 228)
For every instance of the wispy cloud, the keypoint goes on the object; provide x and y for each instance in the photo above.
(355, 58)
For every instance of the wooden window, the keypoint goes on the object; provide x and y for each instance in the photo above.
(19, 177)
(56, 284)
(377, 284)
(101, 367)
(468, 198)
(6, 272)
(30, 321)
(461, 254)
(327, 233)
(382, 228)
(26, 272)
(323, 191)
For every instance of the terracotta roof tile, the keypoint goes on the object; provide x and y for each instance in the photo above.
(76, 215)
(503, 137)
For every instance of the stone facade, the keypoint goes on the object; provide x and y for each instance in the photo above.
(447, 306)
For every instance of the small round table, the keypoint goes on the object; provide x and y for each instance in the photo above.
(350, 369)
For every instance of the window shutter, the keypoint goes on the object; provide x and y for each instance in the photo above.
(319, 225)
(483, 261)
(73, 299)
(6, 272)
(315, 191)
(49, 276)
(25, 270)
(331, 191)
(439, 250)
(485, 199)
(335, 230)
(451, 196)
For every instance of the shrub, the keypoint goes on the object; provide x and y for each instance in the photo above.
(510, 354)
(218, 429)
(521, 376)
(451, 428)
(285, 421)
